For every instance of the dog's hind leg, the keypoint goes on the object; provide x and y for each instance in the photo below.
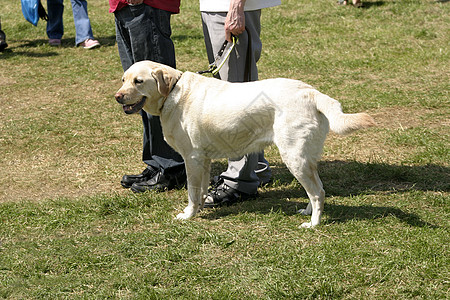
(306, 173)
(301, 160)
(314, 188)
(205, 182)
(197, 171)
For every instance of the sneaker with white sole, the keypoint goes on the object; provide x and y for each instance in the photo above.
(90, 44)
(220, 194)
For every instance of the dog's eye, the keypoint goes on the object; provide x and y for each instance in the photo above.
(138, 80)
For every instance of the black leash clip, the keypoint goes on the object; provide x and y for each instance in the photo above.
(218, 62)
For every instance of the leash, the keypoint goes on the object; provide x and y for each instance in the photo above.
(218, 62)
(215, 66)
(248, 62)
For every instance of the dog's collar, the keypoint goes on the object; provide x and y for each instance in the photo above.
(174, 85)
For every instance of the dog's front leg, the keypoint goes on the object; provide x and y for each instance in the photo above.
(197, 171)
(194, 197)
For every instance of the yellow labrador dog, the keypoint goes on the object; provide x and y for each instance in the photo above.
(205, 118)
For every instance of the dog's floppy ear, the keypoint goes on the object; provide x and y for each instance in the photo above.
(165, 80)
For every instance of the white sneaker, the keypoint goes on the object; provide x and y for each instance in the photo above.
(90, 44)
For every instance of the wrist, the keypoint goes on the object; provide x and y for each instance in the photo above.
(237, 5)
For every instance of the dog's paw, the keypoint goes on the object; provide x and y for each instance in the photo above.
(187, 213)
(306, 225)
(184, 216)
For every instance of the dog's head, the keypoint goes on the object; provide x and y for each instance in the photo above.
(146, 85)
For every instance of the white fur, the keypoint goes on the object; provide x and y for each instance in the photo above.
(205, 118)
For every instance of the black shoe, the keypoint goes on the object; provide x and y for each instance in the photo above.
(128, 180)
(3, 43)
(161, 182)
(221, 194)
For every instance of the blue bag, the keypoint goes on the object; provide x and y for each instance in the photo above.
(32, 10)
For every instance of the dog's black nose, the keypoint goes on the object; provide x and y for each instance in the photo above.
(119, 97)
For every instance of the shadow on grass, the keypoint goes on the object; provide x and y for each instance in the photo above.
(107, 41)
(65, 43)
(348, 178)
(335, 213)
(344, 179)
(345, 213)
(370, 4)
(13, 52)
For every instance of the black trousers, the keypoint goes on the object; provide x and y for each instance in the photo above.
(143, 33)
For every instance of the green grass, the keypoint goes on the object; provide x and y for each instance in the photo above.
(68, 230)
(370, 246)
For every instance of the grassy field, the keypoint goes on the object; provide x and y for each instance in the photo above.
(68, 230)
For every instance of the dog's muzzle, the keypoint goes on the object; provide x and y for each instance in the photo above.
(130, 108)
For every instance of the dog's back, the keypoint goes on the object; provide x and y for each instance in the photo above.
(240, 118)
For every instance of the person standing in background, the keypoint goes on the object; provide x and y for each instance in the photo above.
(143, 33)
(55, 27)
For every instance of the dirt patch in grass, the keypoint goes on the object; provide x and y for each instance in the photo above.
(376, 145)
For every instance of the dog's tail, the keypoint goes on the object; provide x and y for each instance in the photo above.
(339, 122)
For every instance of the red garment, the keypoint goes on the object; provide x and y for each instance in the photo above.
(168, 5)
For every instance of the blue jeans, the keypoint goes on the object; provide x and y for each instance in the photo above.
(143, 33)
(55, 26)
(81, 19)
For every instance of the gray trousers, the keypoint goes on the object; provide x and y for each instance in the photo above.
(241, 173)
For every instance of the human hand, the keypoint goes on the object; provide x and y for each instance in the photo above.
(134, 2)
(235, 20)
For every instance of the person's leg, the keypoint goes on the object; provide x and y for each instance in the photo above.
(123, 41)
(154, 43)
(240, 174)
(157, 153)
(144, 34)
(83, 27)
(126, 58)
(3, 43)
(55, 26)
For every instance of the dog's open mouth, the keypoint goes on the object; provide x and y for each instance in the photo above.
(134, 108)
